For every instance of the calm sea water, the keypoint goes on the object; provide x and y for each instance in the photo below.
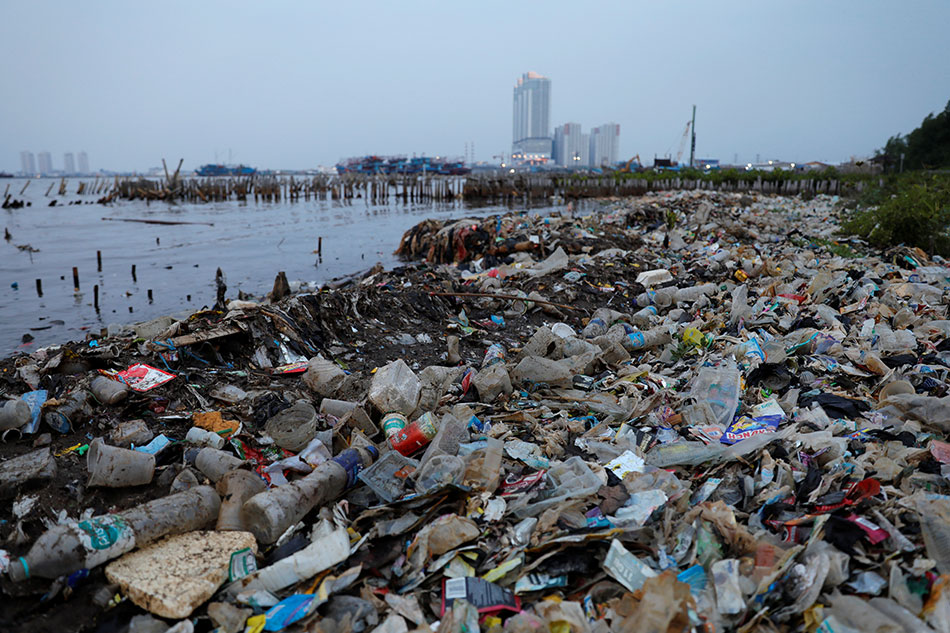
(249, 241)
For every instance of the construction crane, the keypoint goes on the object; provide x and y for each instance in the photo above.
(690, 125)
(682, 148)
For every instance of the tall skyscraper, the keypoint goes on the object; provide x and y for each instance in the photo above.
(83, 163)
(604, 144)
(531, 128)
(45, 163)
(571, 146)
(27, 163)
(69, 165)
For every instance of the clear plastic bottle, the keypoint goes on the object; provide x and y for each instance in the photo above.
(688, 295)
(638, 340)
(594, 328)
(268, 514)
(86, 544)
(721, 388)
(452, 432)
(644, 317)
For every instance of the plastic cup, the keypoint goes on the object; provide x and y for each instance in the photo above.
(294, 427)
(894, 388)
(113, 467)
(215, 464)
(336, 408)
(235, 488)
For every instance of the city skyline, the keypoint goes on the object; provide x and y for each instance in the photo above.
(532, 141)
(775, 80)
(42, 163)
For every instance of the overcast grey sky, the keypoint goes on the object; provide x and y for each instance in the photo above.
(297, 84)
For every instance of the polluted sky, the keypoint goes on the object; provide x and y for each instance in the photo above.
(300, 84)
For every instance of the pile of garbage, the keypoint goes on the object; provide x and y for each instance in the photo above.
(690, 411)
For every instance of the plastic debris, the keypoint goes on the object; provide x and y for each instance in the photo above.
(598, 421)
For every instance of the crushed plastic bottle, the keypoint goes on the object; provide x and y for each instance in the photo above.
(269, 513)
(86, 544)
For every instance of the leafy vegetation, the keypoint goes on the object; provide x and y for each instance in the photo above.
(927, 147)
(912, 209)
(911, 203)
(735, 176)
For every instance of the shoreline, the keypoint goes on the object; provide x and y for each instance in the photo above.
(510, 282)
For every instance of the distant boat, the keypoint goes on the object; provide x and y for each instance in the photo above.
(4, 174)
(401, 165)
(225, 170)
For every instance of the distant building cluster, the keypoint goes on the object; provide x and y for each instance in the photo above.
(569, 146)
(42, 164)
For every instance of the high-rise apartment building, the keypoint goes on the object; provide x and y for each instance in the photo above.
(83, 163)
(571, 146)
(27, 163)
(604, 144)
(69, 164)
(45, 163)
(531, 128)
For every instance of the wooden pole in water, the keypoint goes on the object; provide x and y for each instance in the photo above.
(99, 260)
(320, 246)
(39, 287)
(149, 295)
(133, 273)
(95, 297)
(76, 278)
